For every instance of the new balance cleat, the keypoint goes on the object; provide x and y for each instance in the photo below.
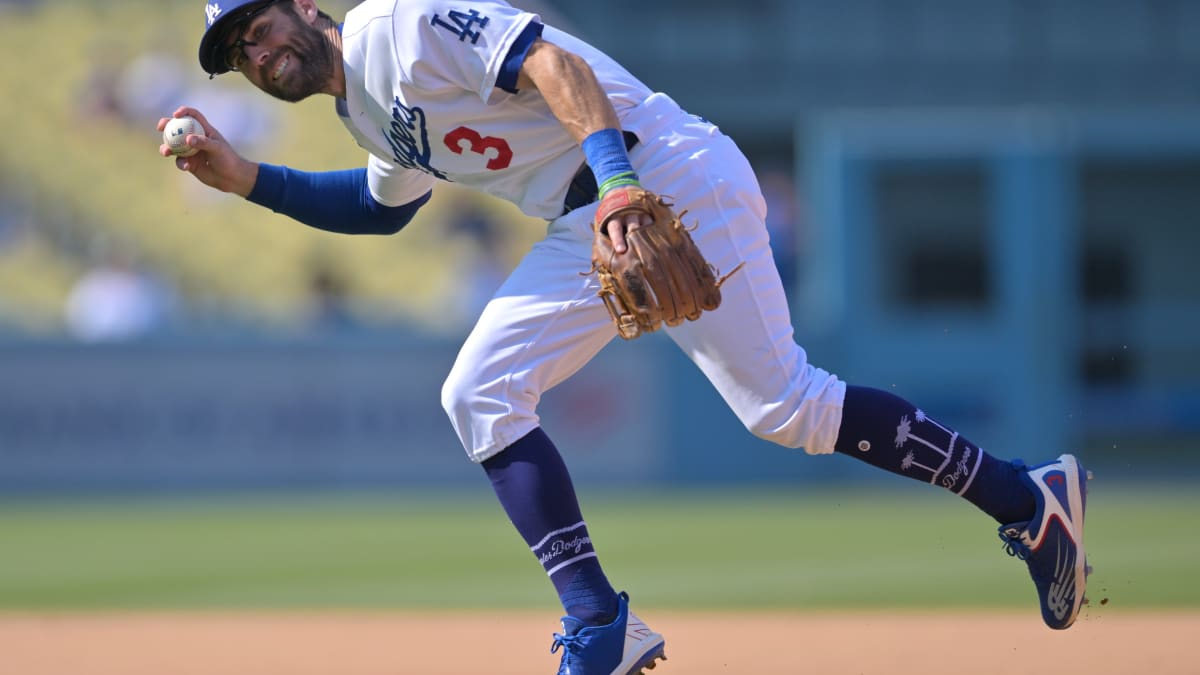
(1052, 542)
(624, 647)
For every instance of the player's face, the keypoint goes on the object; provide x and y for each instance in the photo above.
(281, 54)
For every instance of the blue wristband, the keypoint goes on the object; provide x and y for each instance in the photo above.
(606, 155)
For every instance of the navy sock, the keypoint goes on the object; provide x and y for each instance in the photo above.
(886, 431)
(533, 485)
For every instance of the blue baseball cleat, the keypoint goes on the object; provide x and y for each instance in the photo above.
(1052, 542)
(623, 647)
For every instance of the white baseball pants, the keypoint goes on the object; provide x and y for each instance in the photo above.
(546, 321)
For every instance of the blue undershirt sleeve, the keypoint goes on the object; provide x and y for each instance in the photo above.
(335, 201)
(511, 68)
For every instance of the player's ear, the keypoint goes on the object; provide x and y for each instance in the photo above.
(307, 9)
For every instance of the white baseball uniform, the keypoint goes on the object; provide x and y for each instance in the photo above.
(421, 97)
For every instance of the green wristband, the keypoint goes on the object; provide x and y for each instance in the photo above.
(619, 180)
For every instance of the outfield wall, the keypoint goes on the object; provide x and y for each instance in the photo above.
(347, 413)
(352, 413)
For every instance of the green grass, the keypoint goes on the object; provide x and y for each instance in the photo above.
(903, 549)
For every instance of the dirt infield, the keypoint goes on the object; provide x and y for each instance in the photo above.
(353, 643)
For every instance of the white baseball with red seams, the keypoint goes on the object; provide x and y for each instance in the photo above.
(176, 132)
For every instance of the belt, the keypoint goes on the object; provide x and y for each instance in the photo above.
(583, 189)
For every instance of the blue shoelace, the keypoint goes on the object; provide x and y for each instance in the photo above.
(1014, 546)
(572, 643)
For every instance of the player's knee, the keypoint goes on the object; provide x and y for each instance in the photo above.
(467, 399)
(456, 394)
(483, 415)
(810, 422)
(772, 428)
(815, 437)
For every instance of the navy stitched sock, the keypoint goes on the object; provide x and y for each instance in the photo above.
(886, 431)
(535, 488)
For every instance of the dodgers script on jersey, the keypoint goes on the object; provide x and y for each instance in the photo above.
(433, 110)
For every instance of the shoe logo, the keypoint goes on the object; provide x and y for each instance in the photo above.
(1059, 598)
(1055, 479)
(639, 632)
(1061, 594)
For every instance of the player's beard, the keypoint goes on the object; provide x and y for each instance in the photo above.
(313, 71)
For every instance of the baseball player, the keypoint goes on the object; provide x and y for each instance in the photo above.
(486, 95)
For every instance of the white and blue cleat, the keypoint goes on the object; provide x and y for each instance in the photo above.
(624, 647)
(1052, 542)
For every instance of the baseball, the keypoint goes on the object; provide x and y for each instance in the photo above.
(176, 132)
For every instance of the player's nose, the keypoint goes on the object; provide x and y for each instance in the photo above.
(258, 55)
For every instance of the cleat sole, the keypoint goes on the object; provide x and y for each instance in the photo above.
(651, 665)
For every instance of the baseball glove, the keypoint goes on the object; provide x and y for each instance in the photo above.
(661, 276)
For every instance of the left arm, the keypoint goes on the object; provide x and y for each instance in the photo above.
(576, 98)
(570, 88)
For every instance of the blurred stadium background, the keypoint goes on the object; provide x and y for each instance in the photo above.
(991, 206)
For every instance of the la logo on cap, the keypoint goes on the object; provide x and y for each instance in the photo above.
(212, 10)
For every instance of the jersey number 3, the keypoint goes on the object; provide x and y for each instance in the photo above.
(480, 145)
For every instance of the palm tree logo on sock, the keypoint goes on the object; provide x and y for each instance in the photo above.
(903, 431)
(943, 456)
(903, 435)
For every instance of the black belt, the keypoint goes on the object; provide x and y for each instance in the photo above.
(583, 189)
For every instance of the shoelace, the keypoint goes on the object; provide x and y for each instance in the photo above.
(1020, 550)
(1014, 546)
(572, 643)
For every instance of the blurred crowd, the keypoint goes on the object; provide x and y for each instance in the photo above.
(139, 90)
(105, 287)
(117, 298)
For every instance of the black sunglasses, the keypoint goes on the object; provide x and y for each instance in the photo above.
(234, 52)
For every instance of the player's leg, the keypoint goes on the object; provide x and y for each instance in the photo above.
(544, 324)
(746, 348)
(530, 337)
(1040, 509)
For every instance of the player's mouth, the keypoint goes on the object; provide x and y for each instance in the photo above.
(283, 64)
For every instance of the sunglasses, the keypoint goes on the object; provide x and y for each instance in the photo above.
(235, 52)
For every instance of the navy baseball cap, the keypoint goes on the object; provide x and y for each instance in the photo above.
(219, 17)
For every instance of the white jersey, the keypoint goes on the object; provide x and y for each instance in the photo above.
(427, 94)
(422, 98)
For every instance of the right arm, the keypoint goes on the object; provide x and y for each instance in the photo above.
(335, 201)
